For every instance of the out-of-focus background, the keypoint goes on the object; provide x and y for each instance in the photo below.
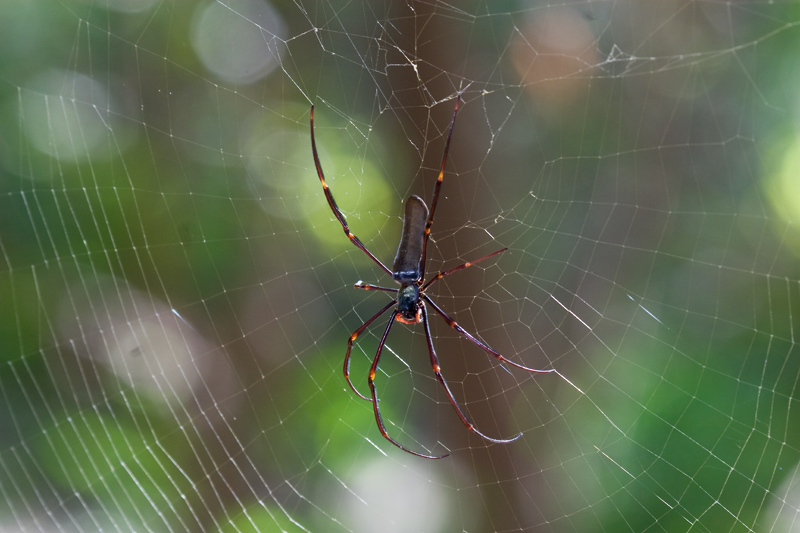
(176, 295)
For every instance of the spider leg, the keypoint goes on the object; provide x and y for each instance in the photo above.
(453, 324)
(335, 208)
(438, 372)
(376, 408)
(438, 187)
(440, 275)
(353, 338)
(367, 287)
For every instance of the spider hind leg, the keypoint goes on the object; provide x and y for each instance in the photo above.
(373, 390)
(438, 372)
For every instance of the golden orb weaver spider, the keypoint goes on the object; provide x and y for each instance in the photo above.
(410, 303)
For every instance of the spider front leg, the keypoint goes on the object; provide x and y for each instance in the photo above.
(374, 392)
(438, 188)
(332, 203)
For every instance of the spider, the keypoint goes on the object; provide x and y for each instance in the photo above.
(411, 299)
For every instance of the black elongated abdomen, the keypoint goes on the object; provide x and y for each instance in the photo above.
(409, 253)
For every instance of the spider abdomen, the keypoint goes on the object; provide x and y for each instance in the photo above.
(406, 267)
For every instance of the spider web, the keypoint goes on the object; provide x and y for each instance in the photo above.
(176, 295)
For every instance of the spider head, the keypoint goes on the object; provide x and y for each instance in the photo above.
(408, 304)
